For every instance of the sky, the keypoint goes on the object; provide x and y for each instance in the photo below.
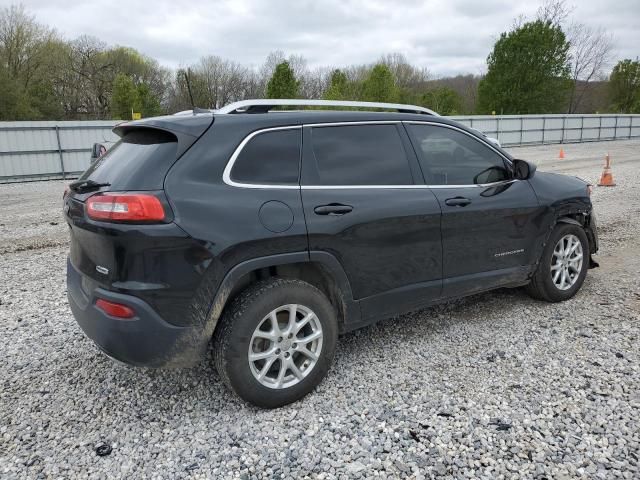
(445, 36)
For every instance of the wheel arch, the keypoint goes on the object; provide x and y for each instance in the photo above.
(579, 218)
(320, 269)
(569, 219)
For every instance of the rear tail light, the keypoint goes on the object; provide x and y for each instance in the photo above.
(125, 207)
(114, 309)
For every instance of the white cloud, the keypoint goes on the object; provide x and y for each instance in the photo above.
(447, 37)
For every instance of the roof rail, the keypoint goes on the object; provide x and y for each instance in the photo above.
(194, 111)
(264, 105)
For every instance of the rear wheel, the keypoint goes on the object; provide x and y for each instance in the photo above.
(563, 265)
(276, 342)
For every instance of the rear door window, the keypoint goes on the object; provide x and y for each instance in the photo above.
(358, 155)
(269, 158)
(138, 161)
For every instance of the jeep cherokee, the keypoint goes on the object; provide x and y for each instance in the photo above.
(267, 233)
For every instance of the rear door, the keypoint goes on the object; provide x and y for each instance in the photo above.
(364, 205)
(239, 190)
(490, 221)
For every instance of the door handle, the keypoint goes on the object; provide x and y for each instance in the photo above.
(333, 209)
(457, 202)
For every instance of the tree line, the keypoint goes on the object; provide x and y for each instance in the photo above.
(547, 64)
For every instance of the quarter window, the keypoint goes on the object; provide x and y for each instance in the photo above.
(450, 157)
(269, 158)
(358, 155)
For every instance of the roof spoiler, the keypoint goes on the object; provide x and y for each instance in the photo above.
(186, 130)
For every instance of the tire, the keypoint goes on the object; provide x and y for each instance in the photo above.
(246, 323)
(542, 285)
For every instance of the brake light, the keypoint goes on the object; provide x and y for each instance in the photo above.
(114, 309)
(125, 207)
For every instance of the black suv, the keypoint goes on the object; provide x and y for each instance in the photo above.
(267, 233)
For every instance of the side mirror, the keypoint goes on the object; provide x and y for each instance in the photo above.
(522, 169)
(97, 151)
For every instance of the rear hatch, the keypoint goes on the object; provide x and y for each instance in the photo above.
(119, 217)
(145, 152)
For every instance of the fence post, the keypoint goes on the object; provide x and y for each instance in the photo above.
(544, 126)
(60, 153)
(521, 128)
(581, 127)
(600, 127)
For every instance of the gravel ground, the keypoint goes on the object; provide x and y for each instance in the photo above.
(493, 386)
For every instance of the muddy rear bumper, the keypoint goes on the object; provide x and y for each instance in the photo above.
(144, 340)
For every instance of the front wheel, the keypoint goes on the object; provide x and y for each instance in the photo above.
(563, 265)
(276, 342)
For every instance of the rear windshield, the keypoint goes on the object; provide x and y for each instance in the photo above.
(139, 161)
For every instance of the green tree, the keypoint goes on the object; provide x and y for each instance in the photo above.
(380, 85)
(283, 83)
(339, 88)
(408, 96)
(28, 63)
(146, 102)
(14, 102)
(44, 102)
(443, 100)
(528, 71)
(127, 97)
(142, 69)
(624, 86)
(23, 44)
(124, 97)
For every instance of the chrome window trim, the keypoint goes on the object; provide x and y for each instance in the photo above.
(403, 187)
(226, 175)
(354, 123)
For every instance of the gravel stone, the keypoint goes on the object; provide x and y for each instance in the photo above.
(564, 378)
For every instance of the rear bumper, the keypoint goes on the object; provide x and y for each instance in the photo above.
(145, 340)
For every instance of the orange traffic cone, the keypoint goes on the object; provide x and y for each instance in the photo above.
(561, 155)
(606, 180)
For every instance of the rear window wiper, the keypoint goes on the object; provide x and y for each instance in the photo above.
(84, 186)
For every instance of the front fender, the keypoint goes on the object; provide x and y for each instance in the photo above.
(586, 222)
(566, 200)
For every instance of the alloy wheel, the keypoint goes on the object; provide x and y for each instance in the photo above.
(566, 262)
(285, 346)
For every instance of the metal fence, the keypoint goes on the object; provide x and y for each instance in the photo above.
(49, 150)
(513, 130)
